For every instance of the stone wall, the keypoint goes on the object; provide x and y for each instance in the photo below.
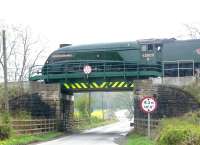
(42, 101)
(46, 101)
(49, 94)
(172, 101)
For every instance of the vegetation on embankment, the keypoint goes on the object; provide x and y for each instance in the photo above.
(5, 125)
(8, 135)
(183, 130)
(26, 139)
(180, 131)
(6, 130)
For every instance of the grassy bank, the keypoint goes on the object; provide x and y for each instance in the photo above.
(135, 139)
(26, 139)
(184, 130)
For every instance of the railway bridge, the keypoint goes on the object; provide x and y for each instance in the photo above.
(63, 86)
(122, 66)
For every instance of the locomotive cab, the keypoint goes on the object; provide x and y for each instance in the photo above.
(151, 51)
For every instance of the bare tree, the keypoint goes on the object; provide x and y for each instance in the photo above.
(26, 44)
(21, 52)
(193, 31)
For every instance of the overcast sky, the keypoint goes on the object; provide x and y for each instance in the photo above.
(94, 21)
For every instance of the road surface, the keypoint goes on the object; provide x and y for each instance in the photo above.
(105, 135)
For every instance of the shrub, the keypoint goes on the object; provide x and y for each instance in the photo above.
(178, 132)
(5, 118)
(82, 104)
(5, 131)
(5, 125)
(98, 114)
(96, 120)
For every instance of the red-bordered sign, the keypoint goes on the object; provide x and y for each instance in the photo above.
(198, 51)
(87, 69)
(148, 104)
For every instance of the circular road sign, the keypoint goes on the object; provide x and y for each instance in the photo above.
(87, 69)
(148, 104)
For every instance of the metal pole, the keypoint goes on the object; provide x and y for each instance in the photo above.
(193, 67)
(163, 71)
(178, 70)
(102, 106)
(124, 70)
(5, 71)
(89, 110)
(149, 126)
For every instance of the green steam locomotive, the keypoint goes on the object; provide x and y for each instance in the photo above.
(131, 60)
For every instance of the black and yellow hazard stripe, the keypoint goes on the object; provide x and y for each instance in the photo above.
(122, 84)
(95, 85)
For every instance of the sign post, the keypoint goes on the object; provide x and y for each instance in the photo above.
(149, 125)
(148, 105)
(87, 69)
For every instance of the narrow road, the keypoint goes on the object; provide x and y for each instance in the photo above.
(105, 135)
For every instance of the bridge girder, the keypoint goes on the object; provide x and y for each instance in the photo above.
(98, 86)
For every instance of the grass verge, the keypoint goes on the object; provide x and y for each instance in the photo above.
(26, 139)
(135, 139)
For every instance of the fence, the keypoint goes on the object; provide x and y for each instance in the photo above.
(142, 124)
(36, 126)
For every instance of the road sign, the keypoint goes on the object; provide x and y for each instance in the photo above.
(148, 104)
(87, 69)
